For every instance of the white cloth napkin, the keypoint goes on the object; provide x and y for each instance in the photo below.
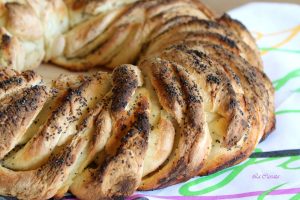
(277, 30)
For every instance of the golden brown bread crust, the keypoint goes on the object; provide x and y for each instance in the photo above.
(59, 126)
(259, 83)
(22, 99)
(118, 128)
(120, 173)
(12, 55)
(18, 114)
(242, 32)
(198, 101)
(11, 83)
(71, 156)
(224, 96)
(193, 141)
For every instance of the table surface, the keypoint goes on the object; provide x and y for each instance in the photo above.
(220, 6)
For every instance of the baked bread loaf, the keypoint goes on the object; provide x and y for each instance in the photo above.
(196, 102)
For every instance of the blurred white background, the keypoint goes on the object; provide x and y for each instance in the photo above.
(221, 6)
